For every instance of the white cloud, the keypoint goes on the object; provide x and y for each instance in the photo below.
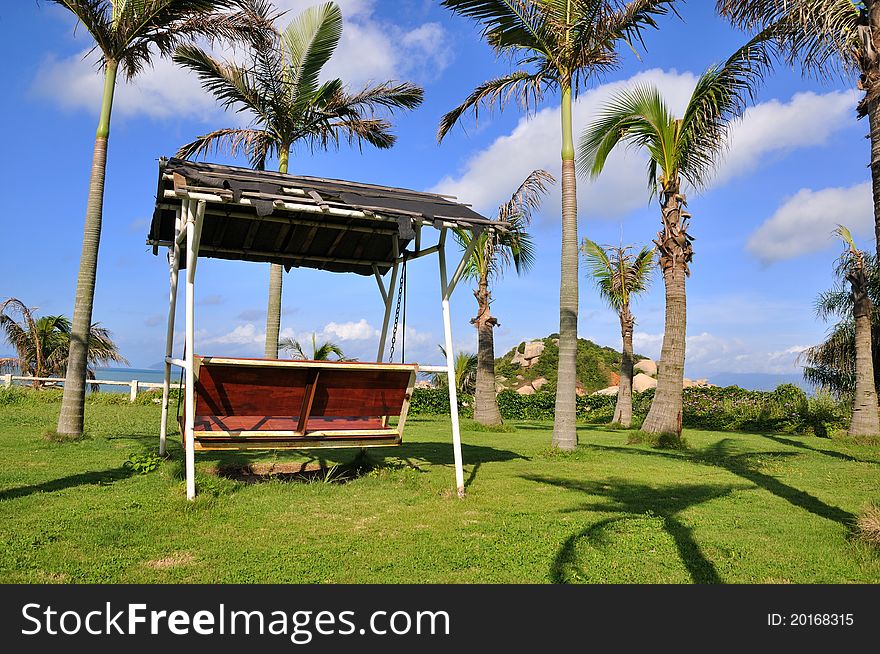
(804, 222)
(775, 127)
(490, 175)
(370, 50)
(349, 331)
(74, 82)
(708, 354)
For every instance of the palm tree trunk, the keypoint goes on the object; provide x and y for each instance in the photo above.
(485, 404)
(871, 105)
(70, 420)
(874, 122)
(565, 423)
(276, 281)
(865, 417)
(675, 254)
(623, 410)
(273, 315)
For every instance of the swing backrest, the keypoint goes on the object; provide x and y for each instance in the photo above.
(252, 402)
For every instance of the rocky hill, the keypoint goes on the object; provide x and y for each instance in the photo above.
(531, 366)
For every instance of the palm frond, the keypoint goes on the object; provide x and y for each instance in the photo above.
(637, 117)
(309, 41)
(257, 145)
(527, 88)
(720, 96)
(507, 23)
(823, 37)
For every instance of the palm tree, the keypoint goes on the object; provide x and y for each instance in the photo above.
(127, 35)
(43, 344)
(679, 149)
(280, 89)
(465, 368)
(831, 364)
(865, 416)
(556, 45)
(492, 254)
(321, 352)
(826, 38)
(620, 274)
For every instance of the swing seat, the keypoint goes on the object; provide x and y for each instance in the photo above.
(268, 404)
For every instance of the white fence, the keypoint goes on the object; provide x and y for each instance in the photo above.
(134, 385)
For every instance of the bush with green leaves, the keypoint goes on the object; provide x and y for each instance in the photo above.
(786, 409)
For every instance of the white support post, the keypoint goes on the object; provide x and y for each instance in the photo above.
(174, 271)
(194, 217)
(133, 394)
(450, 369)
(7, 381)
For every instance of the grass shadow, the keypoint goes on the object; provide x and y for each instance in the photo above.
(98, 477)
(633, 500)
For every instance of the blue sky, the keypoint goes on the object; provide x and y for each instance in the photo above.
(796, 166)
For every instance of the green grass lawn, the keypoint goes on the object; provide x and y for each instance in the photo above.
(735, 508)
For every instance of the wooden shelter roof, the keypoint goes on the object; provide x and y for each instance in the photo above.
(299, 221)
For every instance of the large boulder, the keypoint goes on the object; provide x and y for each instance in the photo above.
(642, 382)
(538, 383)
(533, 349)
(646, 366)
(526, 390)
(611, 390)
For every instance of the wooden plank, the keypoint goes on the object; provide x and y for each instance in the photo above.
(205, 446)
(308, 398)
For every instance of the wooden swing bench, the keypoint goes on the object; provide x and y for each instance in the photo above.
(267, 404)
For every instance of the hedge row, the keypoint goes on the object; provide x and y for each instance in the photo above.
(787, 409)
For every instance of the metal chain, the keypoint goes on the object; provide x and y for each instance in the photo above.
(397, 313)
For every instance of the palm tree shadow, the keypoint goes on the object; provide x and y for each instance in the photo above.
(100, 478)
(818, 450)
(632, 499)
(743, 465)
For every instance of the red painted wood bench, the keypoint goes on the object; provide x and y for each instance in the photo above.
(285, 404)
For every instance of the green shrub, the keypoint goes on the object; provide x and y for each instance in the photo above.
(143, 463)
(787, 409)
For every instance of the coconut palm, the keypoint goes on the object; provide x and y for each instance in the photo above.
(279, 88)
(322, 352)
(679, 150)
(465, 369)
(831, 364)
(42, 344)
(852, 267)
(492, 254)
(620, 274)
(827, 39)
(556, 45)
(127, 35)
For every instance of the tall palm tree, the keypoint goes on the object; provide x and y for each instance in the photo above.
(619, 275)
(43, 344)
(280, 89)
(866, 414)
(556, 45)
(826, 38)
(493, 253)
(679, 150)
(321, 352)
(127, 35)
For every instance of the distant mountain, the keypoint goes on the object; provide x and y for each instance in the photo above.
(758, 381)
